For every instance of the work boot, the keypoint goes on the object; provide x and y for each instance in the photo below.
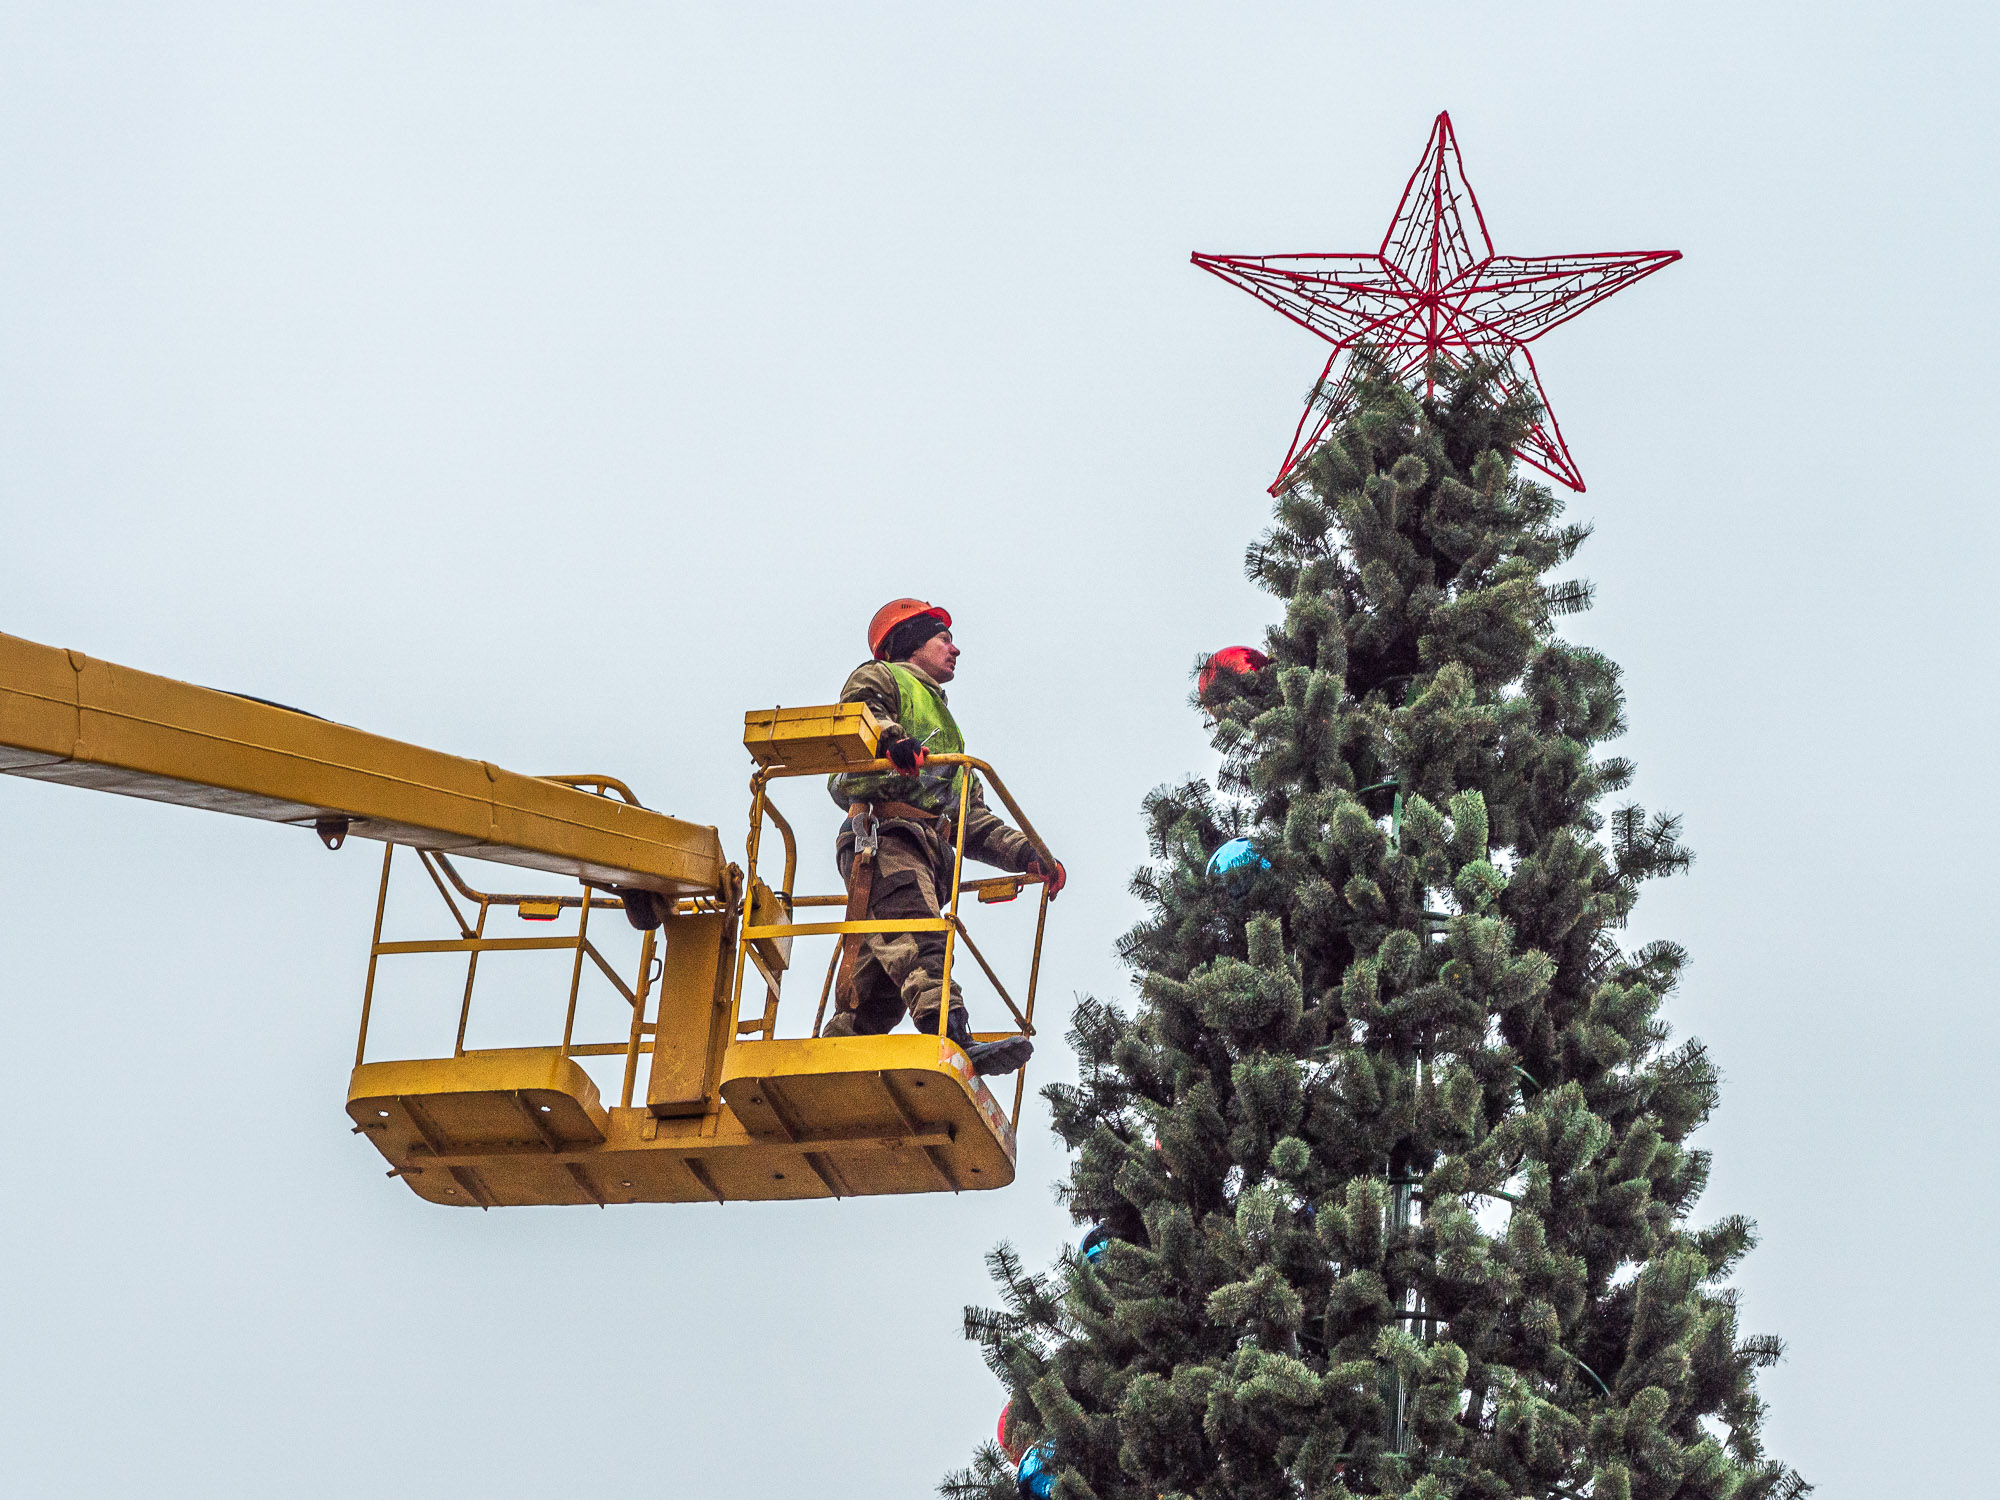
(987, 1058)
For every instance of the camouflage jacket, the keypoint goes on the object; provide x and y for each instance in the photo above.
(987, 837)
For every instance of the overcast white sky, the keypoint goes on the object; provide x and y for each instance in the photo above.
(550, 383)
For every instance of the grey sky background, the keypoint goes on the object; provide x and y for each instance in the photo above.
(549, 384)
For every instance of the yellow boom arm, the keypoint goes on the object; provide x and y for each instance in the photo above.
(67, 717)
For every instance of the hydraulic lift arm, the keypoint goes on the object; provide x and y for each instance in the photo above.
(70, 718)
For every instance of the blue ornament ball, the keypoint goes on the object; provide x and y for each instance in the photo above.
(1236, 862)
(1093, 1243)
(1036, 1478)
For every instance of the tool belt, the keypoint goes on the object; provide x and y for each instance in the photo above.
(865, 820)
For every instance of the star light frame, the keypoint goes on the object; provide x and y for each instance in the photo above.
(1427, 295)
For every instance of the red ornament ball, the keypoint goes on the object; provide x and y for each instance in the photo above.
(1239, 661)
(1012, 1450)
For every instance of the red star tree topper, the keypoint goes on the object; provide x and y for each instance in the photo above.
(1430, 292)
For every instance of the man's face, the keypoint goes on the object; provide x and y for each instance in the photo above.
(936, 658)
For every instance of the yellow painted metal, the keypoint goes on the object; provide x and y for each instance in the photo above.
(830, 737)
(826, 988)
(821, 929)
(472, 942)
(797, 1119)
(819, 1092)
(639, 1023)
(695, 1019)
(951, 912)
(766, 927)
(67, 717)
(729, 1111)
(375, 953)
(471, 974)
(576, 976)
(475, 945)
(1028, 1019)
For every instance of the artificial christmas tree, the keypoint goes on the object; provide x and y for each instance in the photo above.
(1392, 1153)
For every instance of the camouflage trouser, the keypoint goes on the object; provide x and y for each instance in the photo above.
(901, 972)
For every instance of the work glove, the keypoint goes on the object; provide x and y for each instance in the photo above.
(902, 752)
(1055, 882)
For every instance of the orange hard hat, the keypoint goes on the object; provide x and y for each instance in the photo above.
(894, 613)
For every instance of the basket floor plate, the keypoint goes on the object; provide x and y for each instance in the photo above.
(846, 1117)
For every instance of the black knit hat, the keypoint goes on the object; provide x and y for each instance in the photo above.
(903, 641)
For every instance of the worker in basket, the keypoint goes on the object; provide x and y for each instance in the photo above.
(895, 849)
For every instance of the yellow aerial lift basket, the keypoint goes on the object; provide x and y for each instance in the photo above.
(725, 1108)
(729, 1109)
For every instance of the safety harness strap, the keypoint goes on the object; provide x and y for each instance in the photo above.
(903, 810)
